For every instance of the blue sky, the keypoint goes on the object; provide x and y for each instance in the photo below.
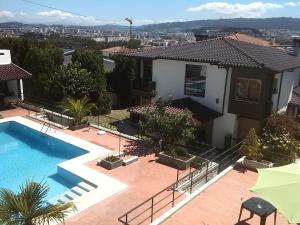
(141, 11)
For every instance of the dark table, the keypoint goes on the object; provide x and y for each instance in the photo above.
(259, 207)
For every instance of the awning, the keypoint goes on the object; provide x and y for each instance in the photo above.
(13, 72)
(200, 113)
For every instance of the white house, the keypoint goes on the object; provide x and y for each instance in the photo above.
(11, 79)
(241, 81)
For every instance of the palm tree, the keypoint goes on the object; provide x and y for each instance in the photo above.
(29, 207)
(78, 108)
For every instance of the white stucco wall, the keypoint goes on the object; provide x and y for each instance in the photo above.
(108, 65)
(226, 124)
(290, 80)
(170, 81)
(5, 57)
(170, 77)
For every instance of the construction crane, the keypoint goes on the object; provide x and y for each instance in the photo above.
(130, 23)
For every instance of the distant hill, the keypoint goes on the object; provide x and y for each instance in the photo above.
(107, 27)
(254, 23)
(266, 23)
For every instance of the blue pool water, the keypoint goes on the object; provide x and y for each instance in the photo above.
(27, 154)
(197, 85)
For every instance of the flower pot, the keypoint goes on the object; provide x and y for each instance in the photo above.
(254, 165)
(177, 163)
(111, 165)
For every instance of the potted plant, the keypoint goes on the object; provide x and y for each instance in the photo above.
(111, 162)
(78, 109)
(173, 127)
(176, 156)
(251, 148)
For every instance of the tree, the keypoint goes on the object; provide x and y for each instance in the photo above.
(279, 139)
(280, 147)
(29, 207)
(279, 122)
(71, 80)
(251, 147)
(133, 44)
(120, 80)
(172, 128)
(78, 108)
(40, 58)
(93, 63)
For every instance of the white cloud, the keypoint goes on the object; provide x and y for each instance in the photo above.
(292, 4)
(55, 14)
(6, 14)
(254, 9)
(23, 14)
(61, 17)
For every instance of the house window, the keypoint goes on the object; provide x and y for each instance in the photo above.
(275, 86)
(247, 89)
(195, 80)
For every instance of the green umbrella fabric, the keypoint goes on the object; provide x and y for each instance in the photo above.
(281, 187)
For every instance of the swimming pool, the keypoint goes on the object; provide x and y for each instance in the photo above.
(27, 154)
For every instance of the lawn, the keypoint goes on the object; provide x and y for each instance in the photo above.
(111, 120)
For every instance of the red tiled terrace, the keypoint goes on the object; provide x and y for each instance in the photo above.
(217, 205)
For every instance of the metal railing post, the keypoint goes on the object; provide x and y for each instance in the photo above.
(61, 118)
(152, 200)
(206, 172)
(98, 121)
(173, 199)
(126, 219)
(191, 188)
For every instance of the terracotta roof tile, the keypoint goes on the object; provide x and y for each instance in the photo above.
(200, 113)
(13, 72)
(296, 96)
(226, 52)
(249, 38)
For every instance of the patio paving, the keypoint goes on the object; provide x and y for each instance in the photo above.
(220, 203)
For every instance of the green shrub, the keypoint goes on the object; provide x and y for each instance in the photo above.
(251, 147)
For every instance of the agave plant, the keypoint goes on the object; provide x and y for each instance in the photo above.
(78, 108)
(29, 207)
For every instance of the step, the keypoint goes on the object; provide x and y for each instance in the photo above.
(63, 199)
(85, 186)
(71, 195)
(58, 199)
(78, 190)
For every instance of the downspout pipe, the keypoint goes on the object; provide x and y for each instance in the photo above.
(225, 88)
(279, 92)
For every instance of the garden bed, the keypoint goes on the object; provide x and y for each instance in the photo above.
(178, 163)
(111, 162)
(254, 165)
(79, 126)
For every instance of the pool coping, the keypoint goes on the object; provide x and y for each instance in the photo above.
(106, 186)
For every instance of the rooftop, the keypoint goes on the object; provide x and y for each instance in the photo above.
(200, 113)
(118, 49)
(296, 96)
(13, 72)
(249, 38)
(226, 52)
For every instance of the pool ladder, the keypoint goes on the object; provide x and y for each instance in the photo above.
(45, 124)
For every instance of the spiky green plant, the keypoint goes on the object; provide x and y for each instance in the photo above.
(29, 206)
(78, 108)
